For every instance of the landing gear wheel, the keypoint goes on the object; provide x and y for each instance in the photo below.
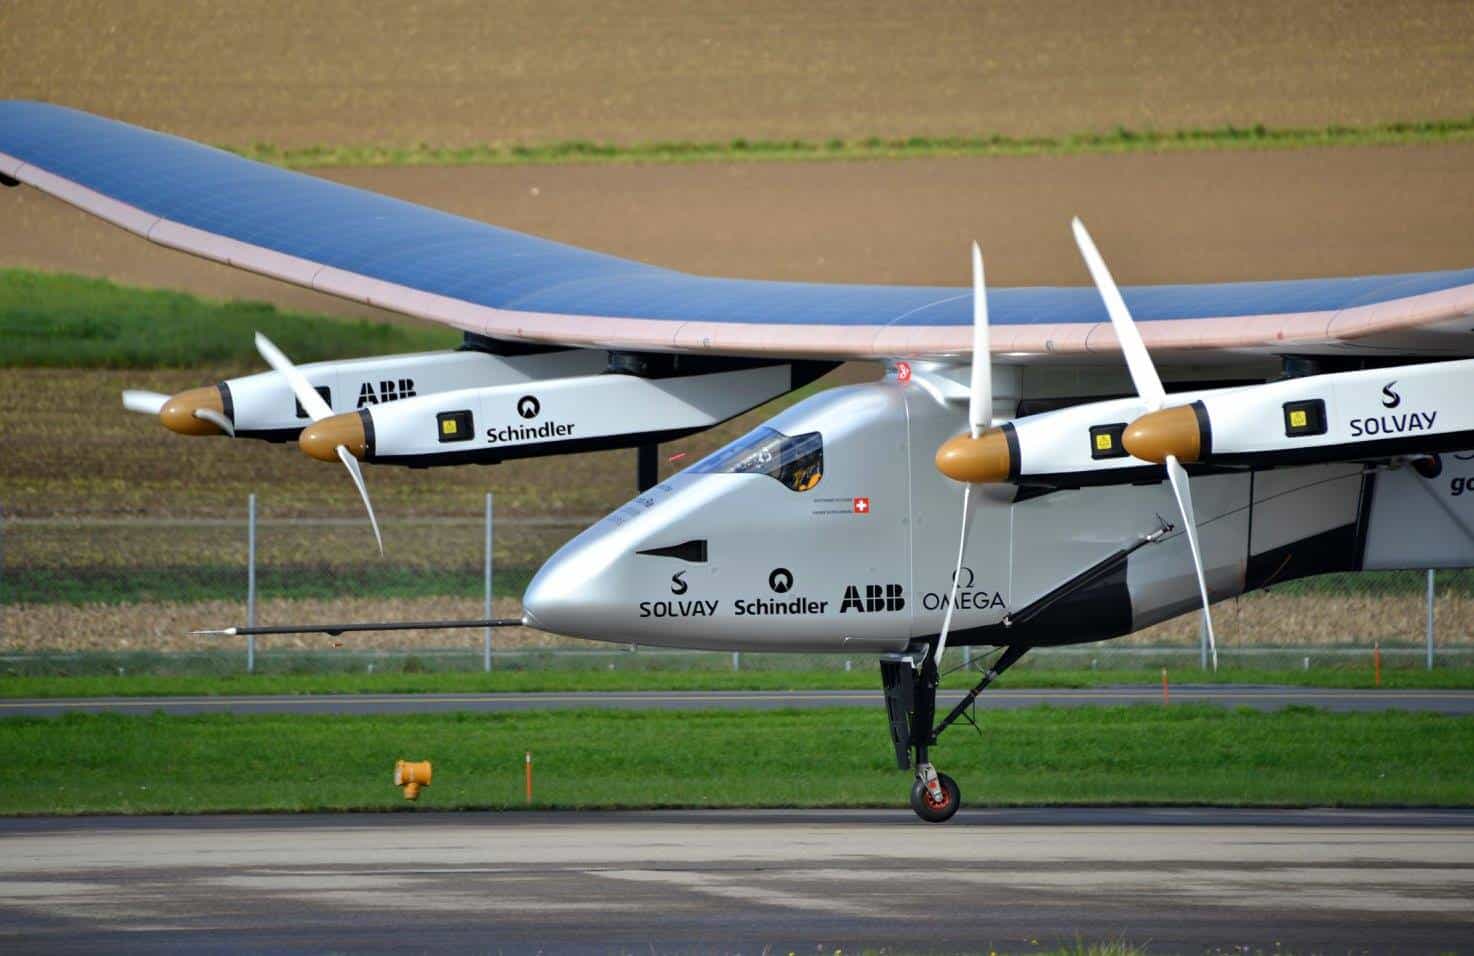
(928, 807)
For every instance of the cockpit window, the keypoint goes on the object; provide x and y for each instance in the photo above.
(796, 461)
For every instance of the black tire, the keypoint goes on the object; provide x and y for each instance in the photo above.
(931, 811)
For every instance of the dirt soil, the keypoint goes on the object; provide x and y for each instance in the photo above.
(1178, 217)
(452, 72)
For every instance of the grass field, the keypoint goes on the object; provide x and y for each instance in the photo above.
(705, 675)
(50, 321)
(157, 764)
(1118, 140)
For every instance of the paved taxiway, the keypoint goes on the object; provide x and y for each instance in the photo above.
(1259, 698)
(1173, 879)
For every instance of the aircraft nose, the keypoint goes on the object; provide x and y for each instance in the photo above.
(604, 585)
(542, 602)
(565, 595)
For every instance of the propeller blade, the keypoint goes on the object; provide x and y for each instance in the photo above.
(351, 464)
(1149, 387)
(145, 403)
(979, 417)
(980, 399)
(956, 575)
(1143, 372)
(317, 410)
(1178, 476)
(216, 419)
(312, 402)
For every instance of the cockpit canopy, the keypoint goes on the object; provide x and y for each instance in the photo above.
(796, 461)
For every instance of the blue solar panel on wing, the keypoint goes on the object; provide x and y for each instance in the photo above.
(399, 242)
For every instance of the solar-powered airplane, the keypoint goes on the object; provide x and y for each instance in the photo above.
(1005, 483)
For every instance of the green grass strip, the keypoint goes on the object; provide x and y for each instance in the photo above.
(1152, 755)
(216, 582)
(1118, 140)
(654, 673)
(61, 320)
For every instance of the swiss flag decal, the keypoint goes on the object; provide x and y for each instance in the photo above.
(862, 506)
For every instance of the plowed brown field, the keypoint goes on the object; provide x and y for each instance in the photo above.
(1171, 217)
(452, 72)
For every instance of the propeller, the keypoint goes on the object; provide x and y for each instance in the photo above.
(979, 417)
(217, 419)
(183, 412)
(317, 409)
(1149, 387)
(145, 403)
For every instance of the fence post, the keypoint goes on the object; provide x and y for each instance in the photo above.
(2, 573)
(486, 603)
(1203, 640)
(1428, 634)
(736, 660)
(251, 582)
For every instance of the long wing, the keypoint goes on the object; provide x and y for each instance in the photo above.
(500, 283)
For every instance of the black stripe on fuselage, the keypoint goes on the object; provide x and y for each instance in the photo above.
(1323, 553)
(1094, 613)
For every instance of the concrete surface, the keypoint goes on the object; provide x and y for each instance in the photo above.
(777, 881)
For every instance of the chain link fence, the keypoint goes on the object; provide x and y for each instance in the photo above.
(121, 595)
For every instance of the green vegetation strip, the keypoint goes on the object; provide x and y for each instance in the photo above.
(1118, 140)
(1144, 754)
(59, 320)
(221, 582)
(37, 583)
(685, 673)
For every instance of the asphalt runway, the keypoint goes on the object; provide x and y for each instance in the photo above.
(1456, 702)
(1171, 880)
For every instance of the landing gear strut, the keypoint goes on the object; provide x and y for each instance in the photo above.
(911, 703)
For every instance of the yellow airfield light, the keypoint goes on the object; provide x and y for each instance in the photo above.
(412, 777)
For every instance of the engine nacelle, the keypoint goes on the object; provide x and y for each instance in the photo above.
(262, 405)
(1372, 413)
(1362, 415)
(548, 417)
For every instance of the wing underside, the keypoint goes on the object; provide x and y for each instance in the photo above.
(503, 284)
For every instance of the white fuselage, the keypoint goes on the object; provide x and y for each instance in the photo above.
(862, 559)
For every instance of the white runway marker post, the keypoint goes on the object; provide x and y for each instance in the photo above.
(486, 602)
(251, 582)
